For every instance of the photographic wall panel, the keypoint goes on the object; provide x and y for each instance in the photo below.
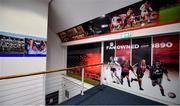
(143, 14)
(158, 79)
(12, 45)
(147, 65)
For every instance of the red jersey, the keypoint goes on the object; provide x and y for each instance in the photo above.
(126, 68)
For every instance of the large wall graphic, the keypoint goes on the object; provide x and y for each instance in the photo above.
(85, 55)
(148, 65)
(141, 48)
(143, 14)
(12, 44)
(123, 49)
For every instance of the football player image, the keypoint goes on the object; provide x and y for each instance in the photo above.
(156, 75)
(115, 23)
(145, 12)
(126, 67)
(142, 67)
(91, 30)
(113, 65)
(129, 18)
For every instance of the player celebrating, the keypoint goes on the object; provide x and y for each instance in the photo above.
(142, 67)
(156, 75)
(112, 64)
(145, 12)
(125, 71)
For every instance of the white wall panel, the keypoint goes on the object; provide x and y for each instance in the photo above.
(24, 16)
(28, 17)
(74, 87)
(57, 54)
(1, 64)
(56, 59)
(58, 82)
(20, 65)
(21, 91)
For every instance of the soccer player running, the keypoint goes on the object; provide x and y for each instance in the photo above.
(113, 65)
(156, 75)
(142, 67)
(126, 67)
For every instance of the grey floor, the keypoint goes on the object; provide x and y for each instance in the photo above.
(104, 95)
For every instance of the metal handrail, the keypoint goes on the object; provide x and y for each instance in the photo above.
(46, 72)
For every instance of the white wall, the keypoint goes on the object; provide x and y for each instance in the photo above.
(0, 64)
(22, 91)
(59, 82)
(57, 54)
(28, 17)
(74, 87)
(54, 82)
(56, 59)
(24, 16)
(22, 65)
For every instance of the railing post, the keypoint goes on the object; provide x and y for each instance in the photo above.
(101, 75)
(82, 80)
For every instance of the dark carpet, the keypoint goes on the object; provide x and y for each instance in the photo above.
(104, 95)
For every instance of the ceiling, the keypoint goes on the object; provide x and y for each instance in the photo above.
(64, 14)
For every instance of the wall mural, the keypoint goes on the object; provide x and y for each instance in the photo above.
(21, 45)
(140, 14)
(11, 45)
(143, 14)
(85, 55)
(148, 65)
(35, 47)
